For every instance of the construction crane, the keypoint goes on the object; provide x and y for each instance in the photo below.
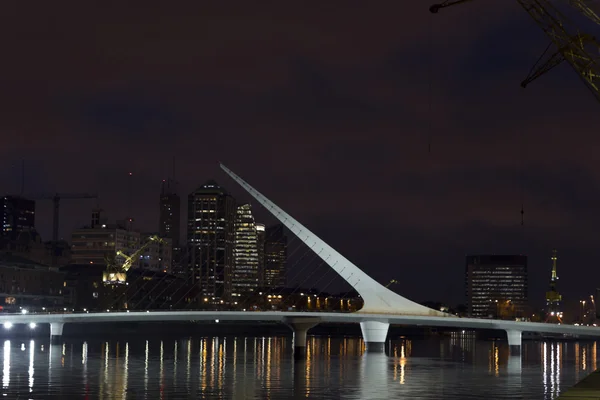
(56, 197)
(118, 273)
(580, 50)
(391, 282)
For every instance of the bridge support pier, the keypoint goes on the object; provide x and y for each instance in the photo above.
(56, 331)
(374, 334)
(300, 327)
(514, 341)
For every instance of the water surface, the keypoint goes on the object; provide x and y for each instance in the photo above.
(458, 367)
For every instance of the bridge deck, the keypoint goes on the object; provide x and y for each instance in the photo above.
(143, 316)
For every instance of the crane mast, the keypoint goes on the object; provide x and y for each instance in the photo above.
(580, 50)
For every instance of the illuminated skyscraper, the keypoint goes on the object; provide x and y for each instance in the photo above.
(496, 286)
(245, 276)
(553, 298)
(211, 235)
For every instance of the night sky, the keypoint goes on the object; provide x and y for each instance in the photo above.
(329, 110)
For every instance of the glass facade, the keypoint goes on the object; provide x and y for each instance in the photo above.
(245, 277)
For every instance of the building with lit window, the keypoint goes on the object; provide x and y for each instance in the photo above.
(169, 222)
(25, 284)
(211, 236)
(18, 215)
(275, 256)
(244, 278)
(157, 255)
(497, 286)
(94, 245)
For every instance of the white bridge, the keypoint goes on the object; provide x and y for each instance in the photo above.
(382, 307)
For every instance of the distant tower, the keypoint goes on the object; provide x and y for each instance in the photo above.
(169, 217)
(553, 298)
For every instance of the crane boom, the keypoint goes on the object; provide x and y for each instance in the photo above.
(580, 50)
(589, 8)
(115, 274)
(129, 260)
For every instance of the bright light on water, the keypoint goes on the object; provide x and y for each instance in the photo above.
(263, 367)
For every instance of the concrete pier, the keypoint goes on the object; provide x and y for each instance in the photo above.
(514, 341)
(56, 331)
(300, 327)
(374, 334)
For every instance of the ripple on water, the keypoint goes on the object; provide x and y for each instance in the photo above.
(260, 368)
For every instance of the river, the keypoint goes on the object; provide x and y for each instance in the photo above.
(229, 367)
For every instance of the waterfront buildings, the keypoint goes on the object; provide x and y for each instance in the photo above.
(275, 256)
(245, 276)
(96, 245)
(28, 285)
(496, 286)
(210, 239)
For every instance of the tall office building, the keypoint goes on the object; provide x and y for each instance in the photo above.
(275, 256)
(170, 208)
(211, 235)
(260, 244)
(169, 223)
(18, 215)
(496, 286)
(244, 278)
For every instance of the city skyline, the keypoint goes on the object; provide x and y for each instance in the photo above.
(275, 229)
(331, 118)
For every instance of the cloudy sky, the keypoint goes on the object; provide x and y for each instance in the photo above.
(403, 138)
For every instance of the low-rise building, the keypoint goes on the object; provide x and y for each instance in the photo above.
(25, 284)
(94, 245)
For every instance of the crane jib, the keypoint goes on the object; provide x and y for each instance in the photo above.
(580, 50)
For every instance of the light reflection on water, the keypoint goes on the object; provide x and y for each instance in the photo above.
(458, 367)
